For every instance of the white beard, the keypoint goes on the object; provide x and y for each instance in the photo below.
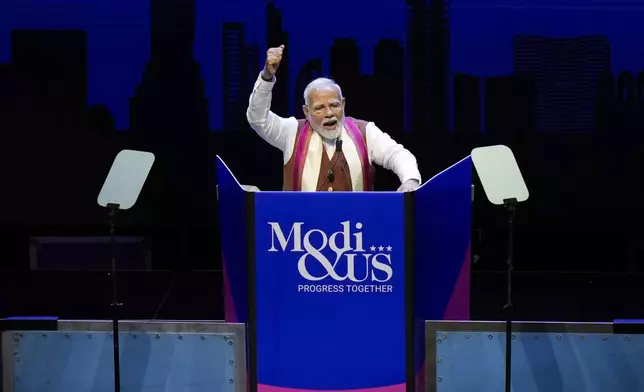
(330, 134)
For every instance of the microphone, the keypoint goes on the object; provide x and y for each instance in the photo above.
(338, 149)
(343, 163)
(330, 176)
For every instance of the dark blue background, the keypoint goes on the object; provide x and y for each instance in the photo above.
(481, 33)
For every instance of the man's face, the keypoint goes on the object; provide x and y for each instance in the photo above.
(325, 112)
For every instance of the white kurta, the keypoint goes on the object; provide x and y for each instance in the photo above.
(281, 132)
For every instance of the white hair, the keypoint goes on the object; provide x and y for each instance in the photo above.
(320, 83)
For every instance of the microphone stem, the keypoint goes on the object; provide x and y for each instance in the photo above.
(345, 170)
(335, 158)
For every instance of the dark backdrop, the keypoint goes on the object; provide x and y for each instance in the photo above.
(560, 82)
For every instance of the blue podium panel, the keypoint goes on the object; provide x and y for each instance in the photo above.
(330, 296)
(234, 244)
(82, 361)
(566, 362)
(442, 230)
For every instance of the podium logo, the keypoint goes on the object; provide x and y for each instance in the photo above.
(337, 257)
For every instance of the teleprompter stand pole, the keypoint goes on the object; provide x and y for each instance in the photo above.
(115, 304)
(120, 190)
(504, 186)
(510, 207)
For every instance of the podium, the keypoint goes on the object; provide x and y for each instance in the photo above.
(335, 287)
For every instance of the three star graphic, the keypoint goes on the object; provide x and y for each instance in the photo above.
(380, 248)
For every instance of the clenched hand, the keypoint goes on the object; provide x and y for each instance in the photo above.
(273, 59)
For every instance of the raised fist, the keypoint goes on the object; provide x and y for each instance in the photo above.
(273, 59)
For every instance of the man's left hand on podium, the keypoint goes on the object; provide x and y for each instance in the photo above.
(409, 186)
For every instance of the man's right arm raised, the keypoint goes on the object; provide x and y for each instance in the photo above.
(271, 127)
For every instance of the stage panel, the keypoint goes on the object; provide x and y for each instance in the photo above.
(553, 357)
(155, 356)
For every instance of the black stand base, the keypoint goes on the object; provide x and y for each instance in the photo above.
(115, 304)
(510, 207)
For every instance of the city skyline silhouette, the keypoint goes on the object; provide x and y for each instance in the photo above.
(114, 69)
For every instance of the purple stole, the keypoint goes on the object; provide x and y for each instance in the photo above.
(302, 146)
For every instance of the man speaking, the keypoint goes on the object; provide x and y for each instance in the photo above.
(326, 151)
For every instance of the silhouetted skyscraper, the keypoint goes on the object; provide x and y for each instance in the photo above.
(428, 66)
(171, 98)
(639, 102)
(467, 106)
(252, 63)
(6, 81)
(311, 70)
(250, 71)
(51, 73)
(605, 103)
(439, 65)
(418, 79)
(509, 108)
(238, 76)
(14, 139)
(389, 79)
(625, 86)
(566, 72)
(620, 105)
(365, 105)
(7, 96)
(626, 108)
(169, 116)
(172, 28)
(100, 121)
(276, 36)
(345, 69)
